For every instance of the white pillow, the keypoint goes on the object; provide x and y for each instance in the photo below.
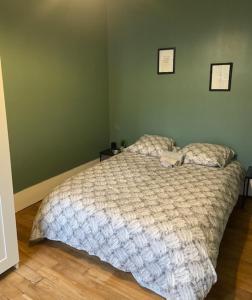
(152, 145)
(208, 155)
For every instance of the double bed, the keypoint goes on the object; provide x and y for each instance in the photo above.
(163, 225)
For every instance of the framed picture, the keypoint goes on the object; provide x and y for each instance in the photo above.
(166, 61)
(220, 77)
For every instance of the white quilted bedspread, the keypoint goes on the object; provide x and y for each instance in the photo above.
(164, 225)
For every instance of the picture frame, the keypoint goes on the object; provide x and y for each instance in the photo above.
(220, 77)
(166, 61)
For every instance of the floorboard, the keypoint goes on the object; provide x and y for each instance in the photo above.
(51, 270)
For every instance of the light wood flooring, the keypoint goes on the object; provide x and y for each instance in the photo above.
(50, 270)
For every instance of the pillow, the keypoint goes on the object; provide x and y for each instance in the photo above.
(171, 159)
(152, 145)
(208, 155)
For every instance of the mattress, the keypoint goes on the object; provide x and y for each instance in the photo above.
(164, 225)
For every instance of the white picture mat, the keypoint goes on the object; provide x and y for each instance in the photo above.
(220, 77)
(166, 60)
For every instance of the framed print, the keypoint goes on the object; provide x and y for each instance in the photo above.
(220, 77)
(166, 61)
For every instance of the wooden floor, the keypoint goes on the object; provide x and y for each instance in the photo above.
(51, 270)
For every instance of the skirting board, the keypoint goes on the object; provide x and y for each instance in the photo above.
(38, 191)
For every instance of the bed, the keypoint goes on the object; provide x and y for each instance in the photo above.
(164, 225)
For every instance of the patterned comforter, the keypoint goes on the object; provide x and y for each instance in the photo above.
(164, 225)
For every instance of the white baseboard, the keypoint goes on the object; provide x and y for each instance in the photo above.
(38, 191)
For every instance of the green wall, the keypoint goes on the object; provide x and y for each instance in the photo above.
(54, 58)
(180, 105)
(70, 66)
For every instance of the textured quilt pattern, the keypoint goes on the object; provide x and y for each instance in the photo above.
(164, 225)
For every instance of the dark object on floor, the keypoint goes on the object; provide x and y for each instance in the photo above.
(247, 179)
